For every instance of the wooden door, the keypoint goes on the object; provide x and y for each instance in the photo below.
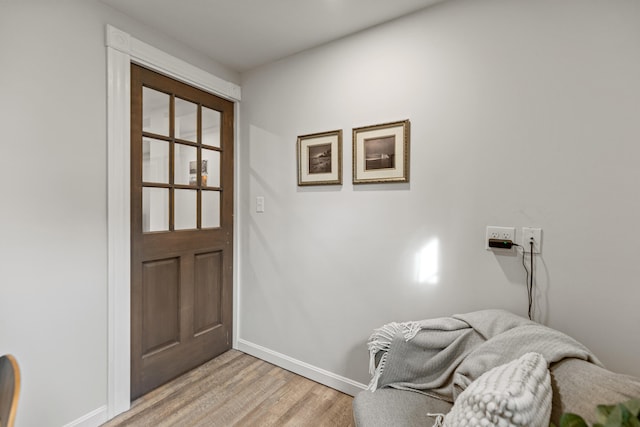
(181, 228)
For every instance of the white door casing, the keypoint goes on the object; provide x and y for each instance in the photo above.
(122, 50)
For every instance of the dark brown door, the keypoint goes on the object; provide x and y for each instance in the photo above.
(181, 228)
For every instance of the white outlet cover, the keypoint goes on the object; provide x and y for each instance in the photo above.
(498, 232)
(536, 234)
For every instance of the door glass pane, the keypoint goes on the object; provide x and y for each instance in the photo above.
(210, 209)
(185, 209)
(155, 111)
(210, 168)
(155, 160)
(186, 122)
(210, 127)
(155, 209)
(184, 163)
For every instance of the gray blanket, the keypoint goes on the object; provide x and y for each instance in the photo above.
(441, 357)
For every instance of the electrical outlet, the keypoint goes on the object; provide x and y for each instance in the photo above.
(529, 233)
(503, 233)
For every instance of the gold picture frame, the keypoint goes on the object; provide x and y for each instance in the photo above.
(320, 158)
(381, 153)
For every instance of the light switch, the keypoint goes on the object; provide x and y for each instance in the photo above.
(260, 204)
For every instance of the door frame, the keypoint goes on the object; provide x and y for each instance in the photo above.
(122, 50)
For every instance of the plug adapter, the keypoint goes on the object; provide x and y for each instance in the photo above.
(500, 244)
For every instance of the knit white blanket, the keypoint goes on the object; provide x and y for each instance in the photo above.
(516, 394)
(441, 357)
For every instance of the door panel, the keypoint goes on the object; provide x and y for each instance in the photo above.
(208, 291)
(161, 305)
(181, 228)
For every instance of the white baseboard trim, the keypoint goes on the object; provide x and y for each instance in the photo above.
(314, 373)
(92, 419)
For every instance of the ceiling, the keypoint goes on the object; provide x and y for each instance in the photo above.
(243, 34)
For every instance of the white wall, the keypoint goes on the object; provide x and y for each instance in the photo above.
(523, 113)
(53, 241)
(551, 85)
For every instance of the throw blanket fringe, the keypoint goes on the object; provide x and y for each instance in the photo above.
(410, 330)
(380, 340)
(439, 419)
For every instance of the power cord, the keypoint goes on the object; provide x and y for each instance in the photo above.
(529, 274)
(530, 287)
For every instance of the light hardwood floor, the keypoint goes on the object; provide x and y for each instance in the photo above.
(236, 389)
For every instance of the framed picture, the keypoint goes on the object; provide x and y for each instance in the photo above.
(381, 153)
(320, 158)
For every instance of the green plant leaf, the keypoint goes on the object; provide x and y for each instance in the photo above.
(633, 406)
(603, 412)
(618, 417)
(626, 414)
(572, 420)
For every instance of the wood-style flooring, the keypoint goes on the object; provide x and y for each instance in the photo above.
(236, 389)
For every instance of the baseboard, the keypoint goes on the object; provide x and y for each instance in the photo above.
(92, 419)
(314, 373)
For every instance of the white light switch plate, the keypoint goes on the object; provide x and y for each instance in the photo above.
(260, 204)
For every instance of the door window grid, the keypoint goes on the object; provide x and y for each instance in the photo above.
(197, 175)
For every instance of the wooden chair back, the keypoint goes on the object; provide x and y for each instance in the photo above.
(9, 390)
